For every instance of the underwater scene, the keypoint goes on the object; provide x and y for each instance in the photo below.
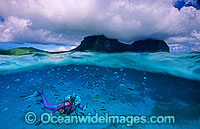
(99, 64)
(125, 84)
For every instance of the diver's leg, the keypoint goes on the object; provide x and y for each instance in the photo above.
(48, 105)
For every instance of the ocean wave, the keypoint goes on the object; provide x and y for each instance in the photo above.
(184, 64)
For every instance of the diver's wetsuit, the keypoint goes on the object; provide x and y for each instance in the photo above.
(55, 107)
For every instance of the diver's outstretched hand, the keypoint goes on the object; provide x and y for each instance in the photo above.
(85, 107)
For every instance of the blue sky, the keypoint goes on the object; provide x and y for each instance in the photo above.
(182, 3)
(66, 22)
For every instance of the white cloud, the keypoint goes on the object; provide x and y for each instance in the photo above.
(181, 39)
(60, 48)
(13, 26)
(196, 34)
(18, 29)
(67, 21)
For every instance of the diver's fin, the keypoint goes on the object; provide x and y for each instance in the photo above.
(38, 123)
(39, 101)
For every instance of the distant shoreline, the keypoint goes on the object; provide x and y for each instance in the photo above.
(99, 43)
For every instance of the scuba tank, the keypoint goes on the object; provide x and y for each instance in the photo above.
(74, 101)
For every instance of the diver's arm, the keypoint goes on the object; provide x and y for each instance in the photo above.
(82, 107)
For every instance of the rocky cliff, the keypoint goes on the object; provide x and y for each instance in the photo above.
(101, 43)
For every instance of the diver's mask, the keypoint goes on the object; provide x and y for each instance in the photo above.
(76, 99)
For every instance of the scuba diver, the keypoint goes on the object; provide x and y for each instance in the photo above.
(67, 107)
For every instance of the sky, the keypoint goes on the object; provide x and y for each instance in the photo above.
(66, 22)
(45, 47)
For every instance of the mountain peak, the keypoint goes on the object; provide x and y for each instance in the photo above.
(100, 43)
